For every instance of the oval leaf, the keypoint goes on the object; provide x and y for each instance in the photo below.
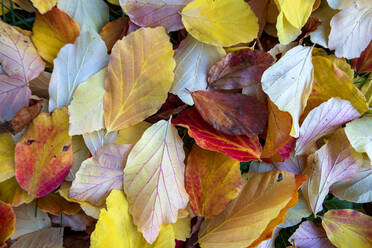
(7, 220)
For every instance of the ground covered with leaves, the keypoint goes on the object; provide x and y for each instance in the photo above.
(185, 123)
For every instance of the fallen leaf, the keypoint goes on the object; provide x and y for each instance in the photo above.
(90, 14)
(231, 113)
(293, 15)
(136, 68)
(250, 218)
(212, 180)
(309, 235)
(357, 189)
(322, 120)
(131, 134)
(325, 14)
(364, 62)
(114, 31)
(260, 9)
(7, 219)
(51, 31)
(21, 63)
(44, 154)
(155, 13)
(348, 228)
(348, 28)
(310, 26)
(193, 60)
(44, 5)
(40, 85)
(98, 139)
(55, 204)
(295, 215)
(239, 69)
(71, 67)
(332, 79)
(288, 83)
(239, 147)
(86, 108)
(359, 134)
(48, 237)
(12, 193)
(23, 117)
(367, 91)
(79, 152)
(182, 228)
(28, 222)
(100, 174)
(278, 129)
(220, 23)
(154, 179)
(77, 222)
(294, 164)
(333, 162)
(115, 227)
(6, 156)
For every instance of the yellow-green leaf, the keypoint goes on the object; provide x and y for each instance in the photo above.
(220, 23)
(6, 156)
(115, 227)
(140, 74)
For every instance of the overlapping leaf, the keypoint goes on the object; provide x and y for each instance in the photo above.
(74, 64)
(44, 154)
(52, 237)
(7, 219)
(220, 23)
(6, 157)
(131, 134)
(231, 113)
(44, 5)
(98, 139)
(359, 133)
(333, 162)
(114, 31)
(86, 108)
(239, 147)
(115, 227)
(193, 60)
(56, 205)
(239, 69)
(51, 31)
(288, 83)
(348, 228)
(239, 225)
(323, 119)
(12, 193)
(99, 175)
(139, 63)
(154, 179)
(155, 13)
(309, 235)
(212, 181)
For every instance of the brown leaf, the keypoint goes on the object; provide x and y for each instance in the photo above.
(23, 117)
(231, 113)
(364, 62)
(310, 26)
(114, 31)
(239, 69)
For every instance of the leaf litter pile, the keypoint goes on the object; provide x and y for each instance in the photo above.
(186, 123)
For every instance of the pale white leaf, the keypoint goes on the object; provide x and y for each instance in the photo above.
(310, 235)
(359, 133)
(97, 139)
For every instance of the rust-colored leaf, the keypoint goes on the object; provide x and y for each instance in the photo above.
(364, 62)
(239, 147)
(56, 205)
(239, 69)
(23, 117)
(114, 31)
(212, 181)
(231, 113)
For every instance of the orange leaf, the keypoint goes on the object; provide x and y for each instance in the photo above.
(212, 181)
(114, 31)
(52, 31)
(7, 220)
(43, 156)
(278, 130)
(239, 147)
(231, 113)
(56, 205)
(252, 216)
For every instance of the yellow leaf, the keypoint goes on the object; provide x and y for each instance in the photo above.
(116, 2)
(86, 108)
(115, 228)
(220, 23)
(131, 134)
(182, 228)
(52, 31)
(44, 5)
(293, 15)
(333, 78)
(140, 74)
(251, 218)
(12, 193)
(348, 228)
(367, 90)
(6, 156)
